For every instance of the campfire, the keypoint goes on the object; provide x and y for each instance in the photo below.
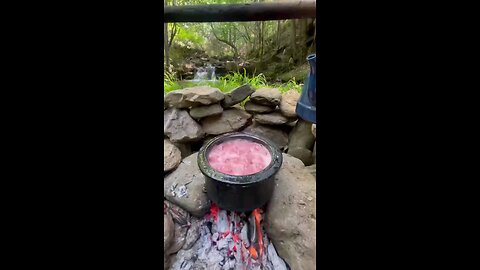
(231, 241)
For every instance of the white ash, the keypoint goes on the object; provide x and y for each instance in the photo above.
(179, 191)
(223, 244)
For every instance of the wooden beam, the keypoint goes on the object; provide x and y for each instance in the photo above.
(240, 12)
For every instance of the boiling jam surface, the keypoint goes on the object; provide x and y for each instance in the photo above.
(239, 157)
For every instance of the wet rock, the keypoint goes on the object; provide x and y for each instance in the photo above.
(301, 135)
(171, 156)
(266, 96)
(204, 111)
(230, 120)
(187, 174)
(256, 108)
(237, 95)
(180, 127)
(276, 135)
(314, 130)
(301, 153)
(275, 118)
(165, 105)
(290, 219)
(194, 96)
(288, 104)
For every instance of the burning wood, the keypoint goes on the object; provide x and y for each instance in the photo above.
(229, 241)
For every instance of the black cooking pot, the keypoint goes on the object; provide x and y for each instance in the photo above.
(240, 193)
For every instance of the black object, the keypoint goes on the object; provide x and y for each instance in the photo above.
(240, 12)
(240, 193)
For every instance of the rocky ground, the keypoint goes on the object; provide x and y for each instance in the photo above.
(194, 115)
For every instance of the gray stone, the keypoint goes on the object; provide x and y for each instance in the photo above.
(288, 104)
(179, 215)
(276, 135)
(168, 231)
(187, 174)
(237, 95)
(185, 149)
(194, 96)
(314, 130)
(193, 233)
(314, 153)
(256, 108)
(230, 120)
(312, 169)
(179, 239)
(290, 219)
(301, 135)
(266, 96)
(275, 118)
(171, 156)
(301, 153)
(179, 126)
(204, 111)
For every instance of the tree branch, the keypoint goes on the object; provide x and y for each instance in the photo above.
(235, 51)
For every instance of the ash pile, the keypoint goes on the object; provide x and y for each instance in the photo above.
(221, 240)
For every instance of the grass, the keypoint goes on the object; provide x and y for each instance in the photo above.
(231, 81)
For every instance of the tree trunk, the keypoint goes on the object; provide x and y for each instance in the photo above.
(314, 37)
(278, 35)
(174, 31)
(262, 40)
(165, 41)
(294, 38)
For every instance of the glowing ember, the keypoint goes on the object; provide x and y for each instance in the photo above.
(239, 157)
(258, 217)
(230, 241)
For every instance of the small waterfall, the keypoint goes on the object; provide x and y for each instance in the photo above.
(205, 73)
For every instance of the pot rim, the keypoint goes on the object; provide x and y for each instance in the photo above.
(269, 171)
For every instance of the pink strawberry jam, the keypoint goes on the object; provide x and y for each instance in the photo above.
(239, 157)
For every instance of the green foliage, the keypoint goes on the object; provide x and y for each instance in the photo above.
(229, 82)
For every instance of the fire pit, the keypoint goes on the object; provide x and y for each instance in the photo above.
(229, 240)
(239, 170)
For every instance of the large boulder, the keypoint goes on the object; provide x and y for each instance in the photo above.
(301, 153)
(266, 96)
(184, 187)
(237, 95)
(274, 118)
(204, 111)
(179, 126)
(194, 96)
(257, 108)
(290, 219)
(230, 120)
(288, 104)
(301, 135)
(171, 156)
(276, 135)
